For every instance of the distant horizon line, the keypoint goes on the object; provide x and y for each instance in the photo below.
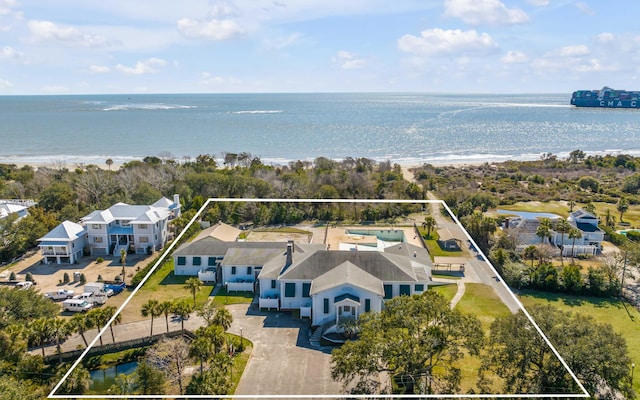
(292, 92)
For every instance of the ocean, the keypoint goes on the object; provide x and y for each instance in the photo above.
(406, 128)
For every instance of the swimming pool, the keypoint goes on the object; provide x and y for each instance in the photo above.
(530, 215)
(387, 235)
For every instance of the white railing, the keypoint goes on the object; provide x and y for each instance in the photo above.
(239, 286)
(207, 276)
(305, 312)
(269, 303)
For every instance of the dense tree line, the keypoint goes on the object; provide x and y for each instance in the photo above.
(69, 194)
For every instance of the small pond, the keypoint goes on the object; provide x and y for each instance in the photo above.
(529, 215)
(102, 379)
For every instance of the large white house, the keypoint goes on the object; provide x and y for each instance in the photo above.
(589, 242)
(321, 284)
(140, 228)
(63, 244)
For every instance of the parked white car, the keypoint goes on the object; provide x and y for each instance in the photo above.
(93, 298)
(75, 305)
(24, 285)
(60, 294)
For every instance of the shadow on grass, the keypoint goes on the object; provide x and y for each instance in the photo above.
(576, 301)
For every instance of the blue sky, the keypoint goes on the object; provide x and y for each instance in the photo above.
(196, 46)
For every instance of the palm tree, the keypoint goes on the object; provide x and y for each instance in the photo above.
(109, 312)
(60, 331)
(193, 285)
(574, 233)
(544, 229)
(109, 163)
(214, 334)
(623, 206)
(151, 308)
(40, 332)
(428, 224)
(562, 227)
(166, 308)
(183, 310)
(222, 318)
(81, 323)
(531, 253)
(202, 349)
(95, 315)
(123, 261)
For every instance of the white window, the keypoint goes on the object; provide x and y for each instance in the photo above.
(143, 226)
(144, 239)
(95, 226)
(97, 239)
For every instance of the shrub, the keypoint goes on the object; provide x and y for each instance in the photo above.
(29, 277)
(12, 277)
(100, 278)
(83, 279)
(65, 278)
(99, 260)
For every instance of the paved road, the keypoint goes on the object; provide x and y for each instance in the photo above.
(477, 269)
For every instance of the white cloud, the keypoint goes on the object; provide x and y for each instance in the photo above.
(514, 57)
(142, 67)
(208, 79)
(6, 6)
(574, 51)
(47, 31)
(213, 29)
(99, 69)
(605, 37)
(539, 3)
(5, 84)
(491, 12)
(221, 24)
(583, 7)
(9, 53)
(433, 42)
(348, 60)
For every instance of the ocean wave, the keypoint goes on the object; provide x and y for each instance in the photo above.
(149, 106)
(257, 112)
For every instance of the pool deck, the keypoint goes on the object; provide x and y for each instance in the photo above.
(338, 234)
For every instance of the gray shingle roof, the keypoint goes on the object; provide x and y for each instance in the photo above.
(384, 266)
(347, 273)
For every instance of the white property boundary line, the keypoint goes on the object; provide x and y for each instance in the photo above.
(584, 393)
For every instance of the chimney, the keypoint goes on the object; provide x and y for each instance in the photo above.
(289, 255)
(506, 223)
(291, 243)
(176, 199)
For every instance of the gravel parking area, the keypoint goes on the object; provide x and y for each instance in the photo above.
(48, 277)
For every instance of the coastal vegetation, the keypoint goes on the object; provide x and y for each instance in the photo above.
(607, 185)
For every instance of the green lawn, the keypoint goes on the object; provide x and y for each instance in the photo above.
(447, 291)
(162, 285)
(223, 298)
(482, 301)
(624, 318)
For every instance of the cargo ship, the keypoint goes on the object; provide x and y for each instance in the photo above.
(607, 97)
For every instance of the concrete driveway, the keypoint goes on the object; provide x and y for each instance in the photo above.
(282, 362)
